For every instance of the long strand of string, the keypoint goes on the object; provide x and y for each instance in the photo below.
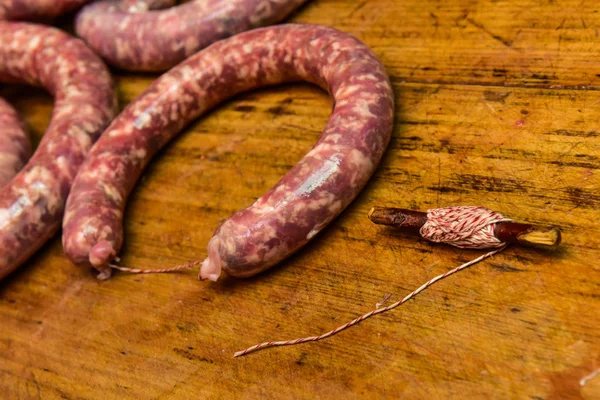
(156, 271)
(462, 226)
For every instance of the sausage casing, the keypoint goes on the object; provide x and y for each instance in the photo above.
(158, 40)
(32, 203)
(302, 203)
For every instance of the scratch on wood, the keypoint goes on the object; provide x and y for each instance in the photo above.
(505, 42)
(574, 133)
(192, 357)
(505, 268)
(357, 8)
(498, 97)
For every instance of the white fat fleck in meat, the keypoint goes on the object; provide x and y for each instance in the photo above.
(139, 153)
(234, 57)
(254, 69)
(367, 77)
(191, 45)
(64, 109)
(326, 148)
(247, 48)
(64, 67)
(37, 173)
(88, 127)
(346, 90)
(4, 217)
(142, 121)
(253, 258)
(33, 43)
(41, 193)
(360, 164)
(275, 251)
(79, 238)
(139, 35)
(17, 207)
(315, 42)
(164, 120)
(123, 48)
(262, 11)
(158, 109)
(186, 72)
(124, 25)
(123, 131)
(362, 108)
(263, 235)
(368, 96)
(105, 232)
(187, 99)
(263, 208)
(230, 244)
(243, 71)
(334, 138)
(347, 121)
(319, 176)
(341, 103)
(85, 142)
(335, 207)
(63, 166)
(89, 230)
(101, 170)
(174, 115)
(73, 91)
(324, 200)
(332, 57)
(112, 192)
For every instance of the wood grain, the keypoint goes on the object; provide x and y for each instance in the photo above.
(497, 106)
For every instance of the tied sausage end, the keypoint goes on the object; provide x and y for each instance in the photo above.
(100, 256)
(211, 266)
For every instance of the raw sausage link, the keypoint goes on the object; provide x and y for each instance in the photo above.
(37, 9)
(32, 204)
(158, 40)
(304, 201)
(15, 147)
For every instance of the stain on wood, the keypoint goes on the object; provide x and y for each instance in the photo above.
(497, 105)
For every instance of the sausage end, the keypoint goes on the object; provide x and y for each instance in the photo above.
(211, 267)
(100, 256)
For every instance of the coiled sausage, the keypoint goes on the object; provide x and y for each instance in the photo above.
(302, 203)
(15, 146)
(32, 203)
(158, 40)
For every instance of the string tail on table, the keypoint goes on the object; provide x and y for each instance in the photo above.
(355, 321)
(156, 271)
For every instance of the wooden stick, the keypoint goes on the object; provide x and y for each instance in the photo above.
(508, 231)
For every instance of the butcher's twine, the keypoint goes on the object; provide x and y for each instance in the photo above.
(156, 271)
(462, 226)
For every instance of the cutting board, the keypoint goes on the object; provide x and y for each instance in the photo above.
(498, 105)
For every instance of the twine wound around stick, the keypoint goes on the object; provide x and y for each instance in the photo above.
(460, 226)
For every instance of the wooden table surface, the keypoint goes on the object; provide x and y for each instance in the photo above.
(497, 105)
